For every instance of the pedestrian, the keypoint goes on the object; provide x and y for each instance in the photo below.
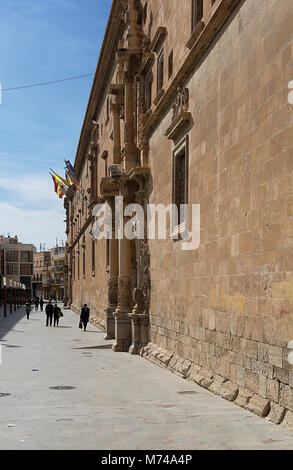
(57, 314)
(49, 313)
(84, 316)
(36, 303)
(41, 303)
(28, 309)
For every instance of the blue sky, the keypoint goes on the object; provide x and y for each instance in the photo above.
(40, 41)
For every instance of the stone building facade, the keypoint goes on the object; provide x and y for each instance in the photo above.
(41, 277)
(56, 273)
(17, 261)
(189, 104)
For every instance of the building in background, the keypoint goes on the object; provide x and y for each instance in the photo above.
(17, 261)
(48, 278)
(56, 280)
(41, 277)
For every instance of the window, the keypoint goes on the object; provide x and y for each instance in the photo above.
(105, 158)
(12, 268)
(197, 13)
(26, 269)
(180, 180)
(170, 65)
(12, 256)
(160, 71)
(26, 256)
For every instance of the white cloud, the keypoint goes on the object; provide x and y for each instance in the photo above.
(35, 191)
(32, 226)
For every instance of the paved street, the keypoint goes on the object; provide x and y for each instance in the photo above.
(108, 406)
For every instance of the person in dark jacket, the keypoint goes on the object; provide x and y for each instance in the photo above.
(28, 309)
(56, 313)
(84, 316)
(41, 303)
(49, 313)
(36, 302)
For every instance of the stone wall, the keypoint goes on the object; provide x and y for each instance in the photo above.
(227, 307)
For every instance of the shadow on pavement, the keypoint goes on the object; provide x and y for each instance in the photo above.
(102, 346)
(7, 323)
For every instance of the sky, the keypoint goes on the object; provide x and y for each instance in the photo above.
(41, 41)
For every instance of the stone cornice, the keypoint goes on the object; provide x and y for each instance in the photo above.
(105, 65)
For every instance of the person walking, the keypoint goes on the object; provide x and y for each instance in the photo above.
(28, 309)
(41, 303)
(36, 303)
(57, 314)
(84, 316)
(49, 313)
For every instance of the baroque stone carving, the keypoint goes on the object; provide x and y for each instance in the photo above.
(113, 291)
(181, 104)
(181, 115)
(124, 297)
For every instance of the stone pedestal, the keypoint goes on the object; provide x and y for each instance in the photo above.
(135, 333)
(144, 330)
(122, 332)
(110, 324)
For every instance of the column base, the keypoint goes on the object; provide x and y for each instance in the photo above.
(134, 349)
(122, 332)
(110, 324)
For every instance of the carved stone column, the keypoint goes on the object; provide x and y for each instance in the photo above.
(139, 316)
(122, 320)
(135, 321)
(131, 151)
(112, 282)
(116, 109)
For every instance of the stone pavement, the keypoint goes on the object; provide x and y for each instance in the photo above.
(113, 400)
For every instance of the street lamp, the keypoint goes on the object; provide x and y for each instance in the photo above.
(10, 295)
(23, 293)
(18, 294)
(5, 296)
(14, 294)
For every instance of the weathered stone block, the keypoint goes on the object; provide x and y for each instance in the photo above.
(206, 383)
(286, 397)
(258, 405)
(288, 420)
(275, 356)
(217, 386)
(263, 352)
(273, 387)
(230, 391)
(281, 374)
(276, 414)
(251, 381)
(241, 371)
(243, 397)
(262, 388)
(193, 372)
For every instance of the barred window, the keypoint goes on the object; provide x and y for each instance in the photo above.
(180, 179)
